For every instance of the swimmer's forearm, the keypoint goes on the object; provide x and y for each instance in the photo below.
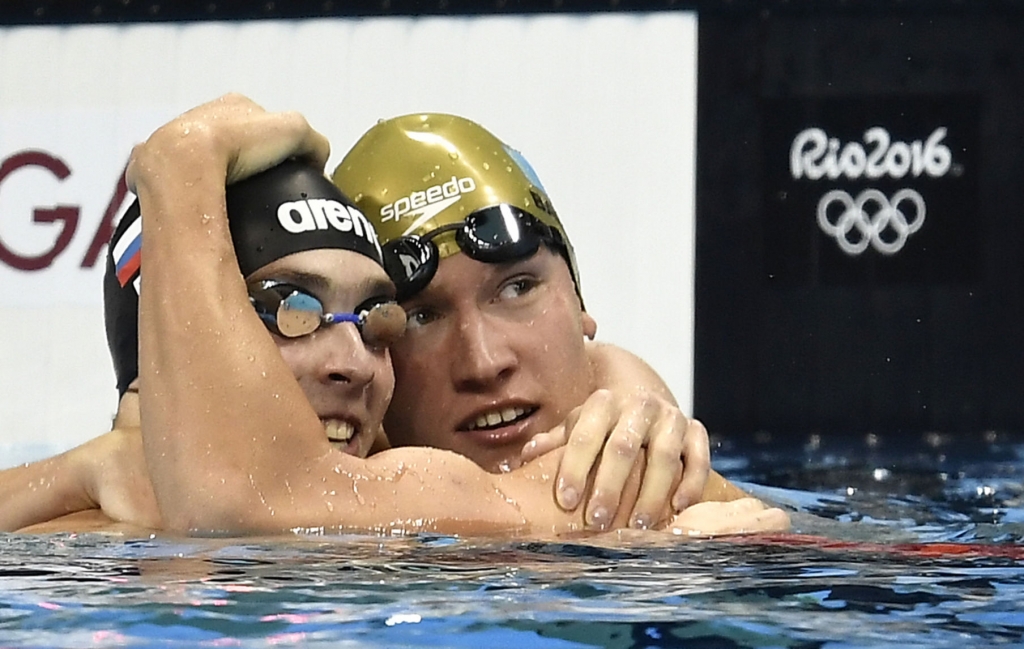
(41, 491)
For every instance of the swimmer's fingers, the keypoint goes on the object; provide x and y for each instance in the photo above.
(231, 135)
(743, 516)
(696, 454)
(585, 430)
(637, 418)
(663, 470)
(543, 443)
(273, 138)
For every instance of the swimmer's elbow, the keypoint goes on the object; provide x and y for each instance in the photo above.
(217, 507)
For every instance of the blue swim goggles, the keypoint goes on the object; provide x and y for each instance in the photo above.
(291, 312)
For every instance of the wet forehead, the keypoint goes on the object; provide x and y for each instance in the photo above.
(329, 272)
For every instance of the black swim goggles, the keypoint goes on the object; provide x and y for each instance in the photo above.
(291, 312)
(492, 235)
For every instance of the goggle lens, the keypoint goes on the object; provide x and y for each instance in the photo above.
(411, 263)
(299, 314)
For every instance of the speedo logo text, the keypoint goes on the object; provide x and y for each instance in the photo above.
(429, 202)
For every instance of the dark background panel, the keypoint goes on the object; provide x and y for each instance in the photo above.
(793, 339)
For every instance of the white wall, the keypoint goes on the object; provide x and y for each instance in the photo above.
(602, 106)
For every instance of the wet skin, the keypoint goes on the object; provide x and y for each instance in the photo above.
(347, 382)
(488, 343)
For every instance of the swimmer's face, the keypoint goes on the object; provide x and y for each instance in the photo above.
(492, 355)
(348, 383)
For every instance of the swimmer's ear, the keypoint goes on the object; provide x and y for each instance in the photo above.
(589, 326)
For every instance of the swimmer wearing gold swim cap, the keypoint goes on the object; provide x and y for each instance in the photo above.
(435, 184)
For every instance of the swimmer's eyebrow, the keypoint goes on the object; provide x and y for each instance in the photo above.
(309, 281)
(319, 284)
(379, 287)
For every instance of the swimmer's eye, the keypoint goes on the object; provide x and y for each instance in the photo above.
(420, 316)
(517, 286)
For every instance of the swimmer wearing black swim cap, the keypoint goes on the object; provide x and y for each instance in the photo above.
(288, 209)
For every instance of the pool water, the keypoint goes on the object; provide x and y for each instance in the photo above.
(879, 558)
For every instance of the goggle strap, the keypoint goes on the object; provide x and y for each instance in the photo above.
(331, 318)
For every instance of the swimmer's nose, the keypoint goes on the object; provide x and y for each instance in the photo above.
(346, 358)
(484, 355)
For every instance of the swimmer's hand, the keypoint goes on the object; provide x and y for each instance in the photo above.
(117, 480)
(615, 429)
(743, 516)
(232, 133)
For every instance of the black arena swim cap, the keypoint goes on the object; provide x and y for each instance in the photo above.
(287, 209)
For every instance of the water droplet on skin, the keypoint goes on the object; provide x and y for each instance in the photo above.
(453, 155)
(487, 166)
(358, 197)
(205, 218)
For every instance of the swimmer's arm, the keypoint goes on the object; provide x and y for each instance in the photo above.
(403, 490)
(219, 408)
(623, 372)
(410, 490)
(106, 475)
(633, 408)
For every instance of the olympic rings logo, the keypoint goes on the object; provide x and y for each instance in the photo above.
(873, 216)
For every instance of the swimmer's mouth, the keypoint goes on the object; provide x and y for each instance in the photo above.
(339, 431)
(498, 418)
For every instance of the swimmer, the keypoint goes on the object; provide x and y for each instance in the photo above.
(495, 351)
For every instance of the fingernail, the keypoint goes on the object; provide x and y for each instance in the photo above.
(680, 503)
(599, 517)
(568, 497)
(641, 522)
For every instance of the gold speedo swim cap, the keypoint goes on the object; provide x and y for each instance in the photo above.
(411, 175)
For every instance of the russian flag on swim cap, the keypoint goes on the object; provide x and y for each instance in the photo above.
(128, 252)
